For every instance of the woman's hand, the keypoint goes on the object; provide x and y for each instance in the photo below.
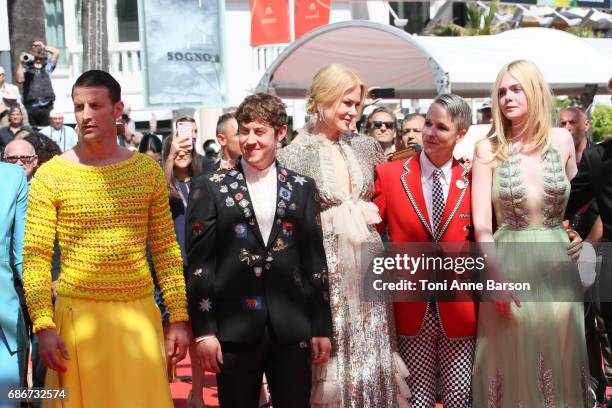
(503, 306)
(177, 146)
(369, 100)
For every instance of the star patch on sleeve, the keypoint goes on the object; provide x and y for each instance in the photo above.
(205, 305)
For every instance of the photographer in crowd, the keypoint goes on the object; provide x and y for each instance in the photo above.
(34, 72)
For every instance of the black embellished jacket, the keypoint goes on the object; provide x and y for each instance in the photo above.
(237, 283)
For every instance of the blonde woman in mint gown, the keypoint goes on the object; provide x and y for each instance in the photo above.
(528, 354)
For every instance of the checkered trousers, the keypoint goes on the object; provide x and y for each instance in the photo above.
(430, 351)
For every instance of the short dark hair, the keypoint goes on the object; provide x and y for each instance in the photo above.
(96, 77)
(410, 116)
(380, 109)
(44, 146)
(263, 108)
(151, 142)
(222, 122)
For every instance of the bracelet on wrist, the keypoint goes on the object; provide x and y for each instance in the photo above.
(202, 338)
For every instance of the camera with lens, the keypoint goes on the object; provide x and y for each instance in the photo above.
(27, 58)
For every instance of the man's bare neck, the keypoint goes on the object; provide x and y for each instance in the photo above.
(97, 154)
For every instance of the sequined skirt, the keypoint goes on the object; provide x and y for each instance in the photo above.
(365, 369)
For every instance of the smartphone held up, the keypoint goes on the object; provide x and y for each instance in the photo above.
(382, 93)
(184, 131)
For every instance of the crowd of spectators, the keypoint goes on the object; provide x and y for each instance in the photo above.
(32, 132)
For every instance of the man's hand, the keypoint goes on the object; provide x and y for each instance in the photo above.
(54, 290)
(177, 342)
(39, 44)
(209, 351)
(575, 246)
(48, 344)
(321, 347)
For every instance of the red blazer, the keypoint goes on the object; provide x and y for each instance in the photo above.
(400, 200)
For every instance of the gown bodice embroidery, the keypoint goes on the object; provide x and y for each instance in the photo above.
(510, 194)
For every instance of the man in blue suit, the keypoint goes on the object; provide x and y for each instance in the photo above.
(13, 334)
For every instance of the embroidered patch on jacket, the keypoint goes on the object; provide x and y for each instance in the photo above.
(284, 194)
(205, 305)
(287, 229)
(197, 227)
(300, 180)
(279, 245)
(252, 303)
(463, 215)
(240, 231)
(217, 177)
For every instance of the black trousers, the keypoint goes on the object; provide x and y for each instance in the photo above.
(595, 342)
(39, 116)
(287, 367)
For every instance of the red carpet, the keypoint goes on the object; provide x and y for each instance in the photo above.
(180, 388)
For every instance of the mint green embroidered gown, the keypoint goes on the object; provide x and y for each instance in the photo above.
(538, 358)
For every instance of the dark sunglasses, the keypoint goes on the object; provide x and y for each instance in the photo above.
(378, 124)
(408, 130)
(23, 159)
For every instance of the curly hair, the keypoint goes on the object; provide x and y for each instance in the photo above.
(262, 107)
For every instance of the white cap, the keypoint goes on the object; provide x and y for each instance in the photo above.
(56, 114)
(1, 70)
(11, 93)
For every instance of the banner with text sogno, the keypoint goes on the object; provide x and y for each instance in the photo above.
(184, 63)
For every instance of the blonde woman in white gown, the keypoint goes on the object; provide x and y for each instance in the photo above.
(364, 369)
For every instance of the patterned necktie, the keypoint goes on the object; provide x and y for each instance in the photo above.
(437, 200)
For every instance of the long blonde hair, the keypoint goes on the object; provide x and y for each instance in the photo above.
(328, 87)
(539, 109)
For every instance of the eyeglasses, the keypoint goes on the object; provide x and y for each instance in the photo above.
(415, 130)
(23, 159)
(378, 124)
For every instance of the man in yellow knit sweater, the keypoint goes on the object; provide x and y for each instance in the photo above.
(103, 342)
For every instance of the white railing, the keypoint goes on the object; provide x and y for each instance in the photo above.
(125, 64)
(264, 56)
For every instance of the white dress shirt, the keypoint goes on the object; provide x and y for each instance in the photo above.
(262, 189)
(427, 169)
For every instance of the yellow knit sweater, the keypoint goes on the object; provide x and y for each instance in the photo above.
(104, 217)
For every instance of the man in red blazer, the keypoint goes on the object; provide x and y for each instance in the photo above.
(427, 199)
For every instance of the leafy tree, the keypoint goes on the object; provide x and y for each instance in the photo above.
(480, 22)
(601, 123)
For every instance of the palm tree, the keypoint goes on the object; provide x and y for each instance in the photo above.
(480, 22)
(26, 24)
(95, 35)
